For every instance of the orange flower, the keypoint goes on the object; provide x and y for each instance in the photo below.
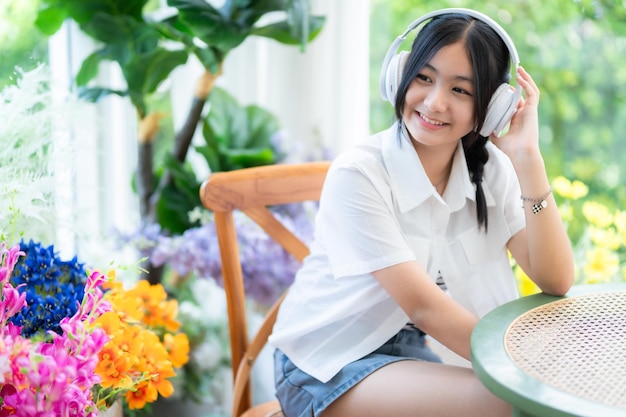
(138, 398)
(109, 322)
(177, 347)
(108, 353)
(140, 356)
(162, 384)
(128, 306)
(157, 310)
(131, 340)
(114, 373)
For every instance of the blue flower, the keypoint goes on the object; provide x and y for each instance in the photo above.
(53, 287)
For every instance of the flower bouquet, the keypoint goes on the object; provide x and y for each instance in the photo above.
(73, 343)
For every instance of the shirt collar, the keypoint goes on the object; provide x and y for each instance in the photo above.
(409, 182)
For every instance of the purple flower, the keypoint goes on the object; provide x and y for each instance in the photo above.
(267, 268)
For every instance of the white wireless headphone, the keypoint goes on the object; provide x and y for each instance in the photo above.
(505, 99)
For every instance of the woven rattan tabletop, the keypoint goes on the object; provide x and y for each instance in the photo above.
(577, 345)
(557, 356)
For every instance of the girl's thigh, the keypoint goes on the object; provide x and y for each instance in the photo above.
(414, 389)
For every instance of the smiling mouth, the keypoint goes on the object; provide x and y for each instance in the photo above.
(429, 120)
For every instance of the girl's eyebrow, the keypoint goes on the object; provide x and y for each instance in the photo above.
(456, 77)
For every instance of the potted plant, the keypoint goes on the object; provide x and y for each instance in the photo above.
(130, 38)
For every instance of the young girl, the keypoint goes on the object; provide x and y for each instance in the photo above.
(412, 235)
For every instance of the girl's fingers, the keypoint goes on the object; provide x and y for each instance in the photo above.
(528, 85)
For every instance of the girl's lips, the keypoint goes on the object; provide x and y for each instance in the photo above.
(427, 121)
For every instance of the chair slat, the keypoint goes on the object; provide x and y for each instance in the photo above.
(277, 231)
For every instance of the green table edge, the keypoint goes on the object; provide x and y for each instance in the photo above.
(501, 376)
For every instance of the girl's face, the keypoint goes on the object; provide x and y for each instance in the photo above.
(439, 105)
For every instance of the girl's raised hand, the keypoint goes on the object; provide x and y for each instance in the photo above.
(523, 134)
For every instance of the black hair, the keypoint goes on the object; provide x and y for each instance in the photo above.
(489, 57)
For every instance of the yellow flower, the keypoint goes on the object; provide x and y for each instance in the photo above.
(606, 238)
(572, 190)
(597, 214)
(525, 285)
(602, 265)
(579, 190)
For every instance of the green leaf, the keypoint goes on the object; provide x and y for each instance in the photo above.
(82, 11)
(225, 116)
(145, 72)
(249, 12)
(281, 31)
(245, 158)
(262, 125)
(97, 93)
(211, 156)
(237, 137)
(209, 58)
(89, 68)
(135, 36)
(210, 25)
(49, 19)
(178, 198)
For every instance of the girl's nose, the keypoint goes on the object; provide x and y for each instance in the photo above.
(435, 100)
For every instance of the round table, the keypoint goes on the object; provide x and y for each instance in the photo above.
(557, 356)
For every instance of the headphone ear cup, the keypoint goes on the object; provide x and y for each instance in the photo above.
(393, 76)
(500, 110)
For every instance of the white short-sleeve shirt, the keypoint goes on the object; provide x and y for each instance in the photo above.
(378, 209)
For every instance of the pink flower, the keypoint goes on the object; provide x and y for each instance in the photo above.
(48, 378)
(93, 303)
(7, 393)
(95, 280)
(8, 259)
(12, 302)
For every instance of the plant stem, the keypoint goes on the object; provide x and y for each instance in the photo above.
(183, 138)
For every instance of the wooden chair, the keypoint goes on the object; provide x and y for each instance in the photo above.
(252, 190)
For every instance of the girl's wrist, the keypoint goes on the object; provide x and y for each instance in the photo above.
(531, 174)
(527, 160)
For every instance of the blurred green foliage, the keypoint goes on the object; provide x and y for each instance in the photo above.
(19, 44)
(575, 50)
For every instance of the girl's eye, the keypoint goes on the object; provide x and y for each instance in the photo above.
(422, 77)
(461, 91)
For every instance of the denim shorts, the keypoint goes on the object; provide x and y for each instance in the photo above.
(301, 395)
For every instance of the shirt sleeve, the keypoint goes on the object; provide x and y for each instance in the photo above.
(357, 222)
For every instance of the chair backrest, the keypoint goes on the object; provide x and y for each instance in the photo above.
(252, 190)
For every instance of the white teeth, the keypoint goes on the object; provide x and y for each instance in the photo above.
(431, 121)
